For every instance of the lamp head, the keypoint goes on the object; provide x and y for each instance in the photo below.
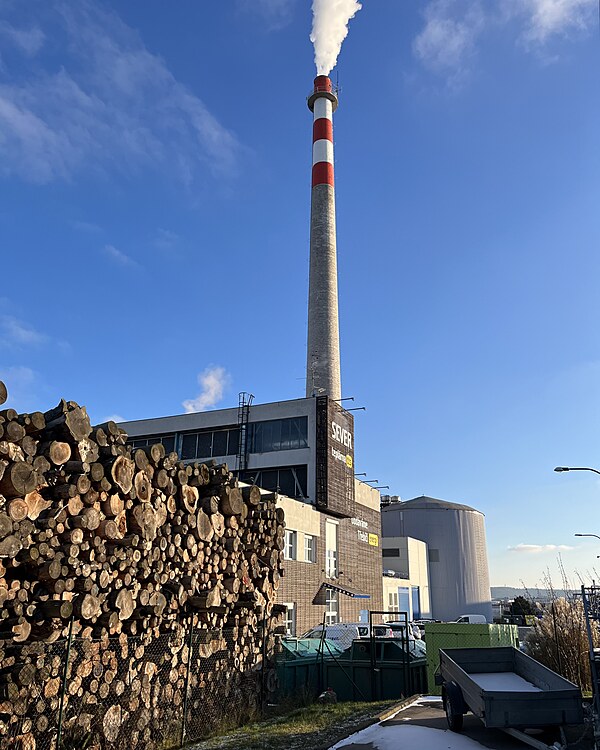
(562, 468)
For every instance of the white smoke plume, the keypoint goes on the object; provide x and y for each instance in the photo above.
(329, 29)
(213, 382)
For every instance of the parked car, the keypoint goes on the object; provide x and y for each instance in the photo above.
(472, 619)
(398, 628)
(343, 633)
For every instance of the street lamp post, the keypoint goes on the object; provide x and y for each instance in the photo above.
(576, 468)
(596, 535)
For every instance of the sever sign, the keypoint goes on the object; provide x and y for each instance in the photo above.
(342, 435)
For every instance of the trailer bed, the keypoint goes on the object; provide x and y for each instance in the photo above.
(508, 689)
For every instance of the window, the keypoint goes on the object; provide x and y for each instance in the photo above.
(331, 607)
(331, 556)
(331, 564)
(290, 548)
(278, 435)
(210, 443)
(141, 442)
(391, 552)
(416, 603)
(310, 548)
(403, 599)
(393, 601)
(288, 480)
(290, 619)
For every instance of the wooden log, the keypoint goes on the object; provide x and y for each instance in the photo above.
(6, 525)
(143, 488)
(10, 546)
(69, 420)
(36, 504)
(251, 495)
(57, 451)
(17, 509)
(122, 473)
(231, 501)
(189, 497)
(14, 432)
(18, 480)
(3, 393)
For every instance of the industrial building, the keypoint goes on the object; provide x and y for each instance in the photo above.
(406, 577)
(303, 448)
(456, 549)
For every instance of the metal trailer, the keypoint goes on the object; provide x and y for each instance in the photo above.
(507, 690)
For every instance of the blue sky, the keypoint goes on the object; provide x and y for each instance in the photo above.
(154, 202)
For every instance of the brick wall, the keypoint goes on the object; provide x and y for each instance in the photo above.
(359, 561)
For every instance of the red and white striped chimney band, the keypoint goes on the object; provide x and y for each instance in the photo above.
(322, 171)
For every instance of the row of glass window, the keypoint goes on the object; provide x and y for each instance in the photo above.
(167, 440)
(263, 437)
(289, 480)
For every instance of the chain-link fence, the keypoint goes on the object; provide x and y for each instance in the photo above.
(130, 691)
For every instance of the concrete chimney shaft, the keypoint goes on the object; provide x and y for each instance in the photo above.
(323, 355)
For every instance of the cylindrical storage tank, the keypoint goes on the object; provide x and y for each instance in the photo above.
(459, 578)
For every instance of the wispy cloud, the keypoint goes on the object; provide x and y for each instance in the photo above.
(535, 549)
(29, 41)
(120, 257)
(166, 240)
(213, 382)
(275, 13)
(113, 418)
(86, 226)
(547, 18)
(15, 331)
(450, 38)
(448, 41)
(21, 383)
(110, 106)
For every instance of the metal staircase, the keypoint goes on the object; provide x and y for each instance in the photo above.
(244, 404)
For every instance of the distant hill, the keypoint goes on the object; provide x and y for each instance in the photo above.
(510, 592)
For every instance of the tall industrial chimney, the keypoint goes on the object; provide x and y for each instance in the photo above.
(323, 356)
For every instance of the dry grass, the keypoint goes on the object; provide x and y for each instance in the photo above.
(306, 728)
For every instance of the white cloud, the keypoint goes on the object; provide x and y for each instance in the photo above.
(276, 13)
(549, 18)
(110, 105)
(537, 548)
(21, 383)
(86, 226)
(15, 331)
(213, 382)
(113, 418)
(29, 41)
(120, 257)
(166, 240)
(448, 40)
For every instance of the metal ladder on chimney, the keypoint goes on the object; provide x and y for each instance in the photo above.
(244, 404)
(591, 608)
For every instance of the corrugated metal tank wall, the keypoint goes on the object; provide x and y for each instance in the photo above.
(458, 566)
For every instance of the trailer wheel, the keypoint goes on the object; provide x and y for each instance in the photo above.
(453, 705)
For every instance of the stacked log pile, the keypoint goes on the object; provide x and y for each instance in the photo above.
(122, 549)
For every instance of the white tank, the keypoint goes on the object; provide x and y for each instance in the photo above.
(458, 566)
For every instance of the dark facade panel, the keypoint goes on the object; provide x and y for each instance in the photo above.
(334, 458)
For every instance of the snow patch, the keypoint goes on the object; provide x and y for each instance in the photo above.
(503, 681)
(392, 737)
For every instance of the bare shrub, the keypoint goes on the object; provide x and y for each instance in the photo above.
(559, 640)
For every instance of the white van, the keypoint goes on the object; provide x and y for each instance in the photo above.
(343, 633)
(472, 619)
